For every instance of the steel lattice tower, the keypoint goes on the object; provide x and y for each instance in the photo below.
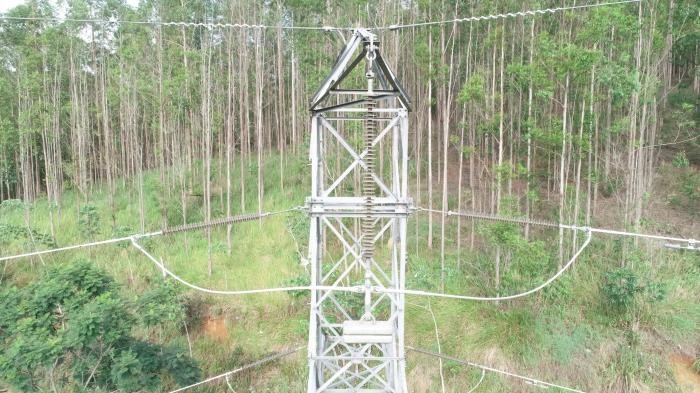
(356, 339)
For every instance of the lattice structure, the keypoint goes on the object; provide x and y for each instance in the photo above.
(356, 340)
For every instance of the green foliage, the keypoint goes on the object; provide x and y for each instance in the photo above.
(629, 361)
(74, 322)
(619, 81)
(195, 308)
(10, 233)
(624, 291)
(423, 273)
(526, 262)
(621, 288)
(563, 345)
(127, 372)
(565, 45)
(520, 331)
(301, 280)
(160, 304)
(680, 160)
(298, 228)
(696, 366)
(608, 186)
(690, 186)
(89, 221)
(455, 141)
(11, 205)
(473, 89)
(122, 231)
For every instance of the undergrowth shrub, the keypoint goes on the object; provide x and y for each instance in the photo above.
(160, 304)
(298, 228)
(74, 322)
(122, 231)
(563, 344)
(690, 186)
(626, 293)
(680, 160)
(422, 274)
(89, 221)
(524, 263)
(609, 186)
(630, 361)
(621, 288)
(10, 233)
(561, 289)
(696, 366)
(11, 205)
(195, 308)
(301, 280)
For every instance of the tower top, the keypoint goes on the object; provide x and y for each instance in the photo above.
(347, 62)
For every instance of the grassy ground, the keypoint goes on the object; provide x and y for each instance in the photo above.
(568, 334)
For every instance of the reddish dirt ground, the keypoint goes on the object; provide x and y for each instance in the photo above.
(215, 328)
(688, 380)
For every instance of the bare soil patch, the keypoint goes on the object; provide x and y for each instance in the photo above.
(687, 378)
(215, 328)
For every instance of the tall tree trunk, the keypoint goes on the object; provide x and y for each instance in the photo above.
(562, 168)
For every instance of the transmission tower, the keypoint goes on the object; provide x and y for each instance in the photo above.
(356, 339)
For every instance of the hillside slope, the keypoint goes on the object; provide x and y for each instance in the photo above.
(590, 330)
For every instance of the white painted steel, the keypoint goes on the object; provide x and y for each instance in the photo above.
(357, 349)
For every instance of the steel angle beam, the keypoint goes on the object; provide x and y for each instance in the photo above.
(356, 339)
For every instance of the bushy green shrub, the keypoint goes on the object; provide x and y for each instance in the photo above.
(621, 288)
(160, 304)
(690, 186)
(10, 205)
(624, 290)
(72, 328)
(122, 231)
(10, 233)
(89, 221)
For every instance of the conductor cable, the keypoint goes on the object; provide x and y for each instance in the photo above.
(168, 272)
(531, 381)
(506, 15)
(495, 298)
(166, 231)
(240, 369)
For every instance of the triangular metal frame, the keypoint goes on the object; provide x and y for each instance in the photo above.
(345, 64)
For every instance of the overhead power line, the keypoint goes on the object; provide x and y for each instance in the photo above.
(208, 25)
(226, 221)
(494, 298)
(168, 272)
(532, 381)
(167, 231)
(506, 15)
(478, 383)
(78, 246)
(490, 217)
(227, 374)
(515, 220)
(224, 25)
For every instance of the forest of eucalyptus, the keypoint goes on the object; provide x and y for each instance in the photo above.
(535, 116)
(562, 116)
(521, 111)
